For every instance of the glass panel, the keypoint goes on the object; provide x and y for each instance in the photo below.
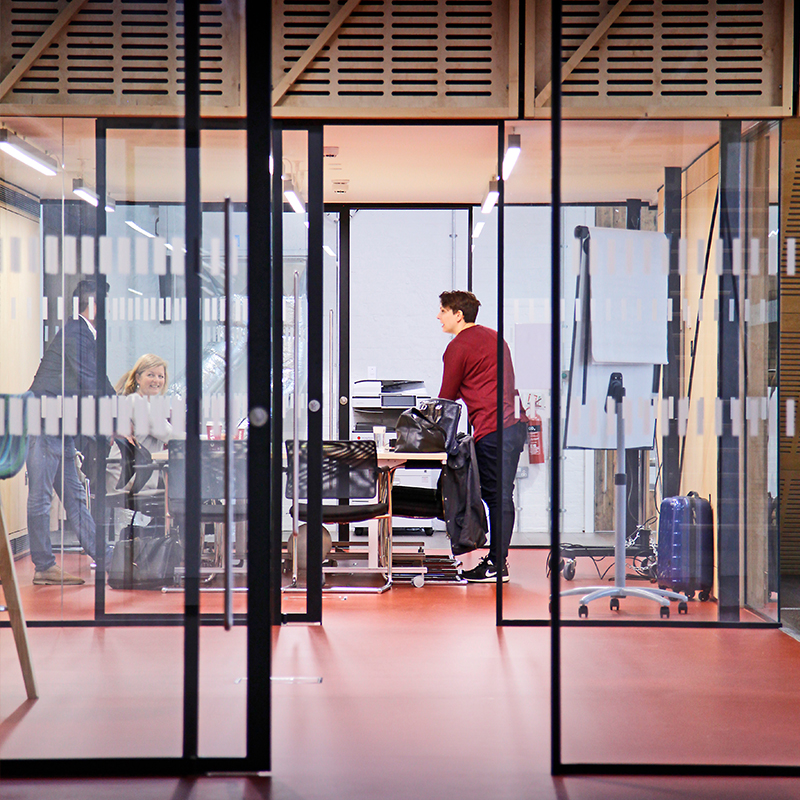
(526, 330)
(146, 324)
(56, 235)
(760, 378)
(224, 269)
(669, 289)
(400, 260)
(295, 353)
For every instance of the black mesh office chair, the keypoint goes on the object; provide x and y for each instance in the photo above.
(349, 472)
(212, 479)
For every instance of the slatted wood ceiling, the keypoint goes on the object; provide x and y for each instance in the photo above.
(443, 56)
(120, 53)
(679, 57)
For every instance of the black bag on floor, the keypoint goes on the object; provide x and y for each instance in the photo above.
(144, 563)
(430, 428)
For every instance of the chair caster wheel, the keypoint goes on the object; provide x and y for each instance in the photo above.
(683, 608)
(614, 604)
(664, 612)
(583, 611)
(418, 581)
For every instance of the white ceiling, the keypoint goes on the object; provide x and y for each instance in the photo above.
(602, 161)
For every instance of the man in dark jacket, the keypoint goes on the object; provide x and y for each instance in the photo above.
(470, 374)
(67, 369)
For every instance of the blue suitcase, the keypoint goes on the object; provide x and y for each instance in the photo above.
(686, 545)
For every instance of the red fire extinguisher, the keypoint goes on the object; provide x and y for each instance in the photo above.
(535, 443)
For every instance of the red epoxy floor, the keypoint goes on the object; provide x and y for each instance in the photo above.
(421, 696)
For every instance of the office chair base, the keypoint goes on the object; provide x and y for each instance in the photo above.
(660, 596)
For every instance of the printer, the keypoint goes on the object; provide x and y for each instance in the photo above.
(381, 401)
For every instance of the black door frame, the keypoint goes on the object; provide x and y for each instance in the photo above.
(258, 723)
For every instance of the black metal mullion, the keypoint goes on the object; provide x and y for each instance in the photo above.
(99, 503)
(344, 399)
(556, 765)
(728, 373)
(672, 371)
(344, 323)
(315, 375)
(275, 403)
(498, 537)
(264, 291)
(470, 222)
(191, 685)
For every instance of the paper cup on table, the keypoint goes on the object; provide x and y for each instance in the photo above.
(379, 432)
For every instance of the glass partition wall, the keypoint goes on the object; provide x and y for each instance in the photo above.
(124, 290)
(669, 284)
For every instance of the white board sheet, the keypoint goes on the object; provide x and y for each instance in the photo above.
(629, 293)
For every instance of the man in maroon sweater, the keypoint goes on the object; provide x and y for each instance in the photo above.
(470, 374)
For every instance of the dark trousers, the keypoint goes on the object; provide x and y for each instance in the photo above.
(500, 525)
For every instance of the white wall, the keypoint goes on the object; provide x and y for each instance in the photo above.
(402, 259)
(20, 334)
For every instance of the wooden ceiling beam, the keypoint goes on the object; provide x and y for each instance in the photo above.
(327, 34)
(591, 40)
(66, 15)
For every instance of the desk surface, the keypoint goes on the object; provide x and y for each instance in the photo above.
(390, 458)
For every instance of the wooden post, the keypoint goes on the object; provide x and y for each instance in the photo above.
(8, 576)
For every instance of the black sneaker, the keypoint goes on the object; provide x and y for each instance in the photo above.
(485, 572)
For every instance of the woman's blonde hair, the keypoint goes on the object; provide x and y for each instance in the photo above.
(128, 384)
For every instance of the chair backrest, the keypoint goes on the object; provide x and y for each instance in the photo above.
(349, 469)
(13, 433)
(212, 470)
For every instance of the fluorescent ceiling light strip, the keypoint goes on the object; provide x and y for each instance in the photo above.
(27, 154)
(139, 229)
(476, 231)
(490, 199)
(293, 198)
(80, 189)
(111, 204)
(328, 250)
(513, 149)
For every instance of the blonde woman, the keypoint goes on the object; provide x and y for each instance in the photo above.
(146, 379)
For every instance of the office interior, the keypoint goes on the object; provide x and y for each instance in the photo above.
(391, 213)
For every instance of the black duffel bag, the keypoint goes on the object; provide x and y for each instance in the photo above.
(431, 427)
(145, 563)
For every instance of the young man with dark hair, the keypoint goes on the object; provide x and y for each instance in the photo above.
(68, 367)
(470, 374)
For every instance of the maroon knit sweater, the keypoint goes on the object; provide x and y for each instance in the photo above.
(470, 374)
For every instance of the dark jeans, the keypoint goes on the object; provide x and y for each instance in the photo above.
(486, 452)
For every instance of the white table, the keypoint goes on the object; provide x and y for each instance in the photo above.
(389, 461)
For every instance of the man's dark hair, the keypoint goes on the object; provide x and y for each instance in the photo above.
(84, 290)
(465, 302)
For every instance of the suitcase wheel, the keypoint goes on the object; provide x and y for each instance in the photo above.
(664, 612)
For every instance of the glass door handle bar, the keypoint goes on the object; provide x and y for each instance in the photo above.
(229, 432)
(296, 430)
(331, 383)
